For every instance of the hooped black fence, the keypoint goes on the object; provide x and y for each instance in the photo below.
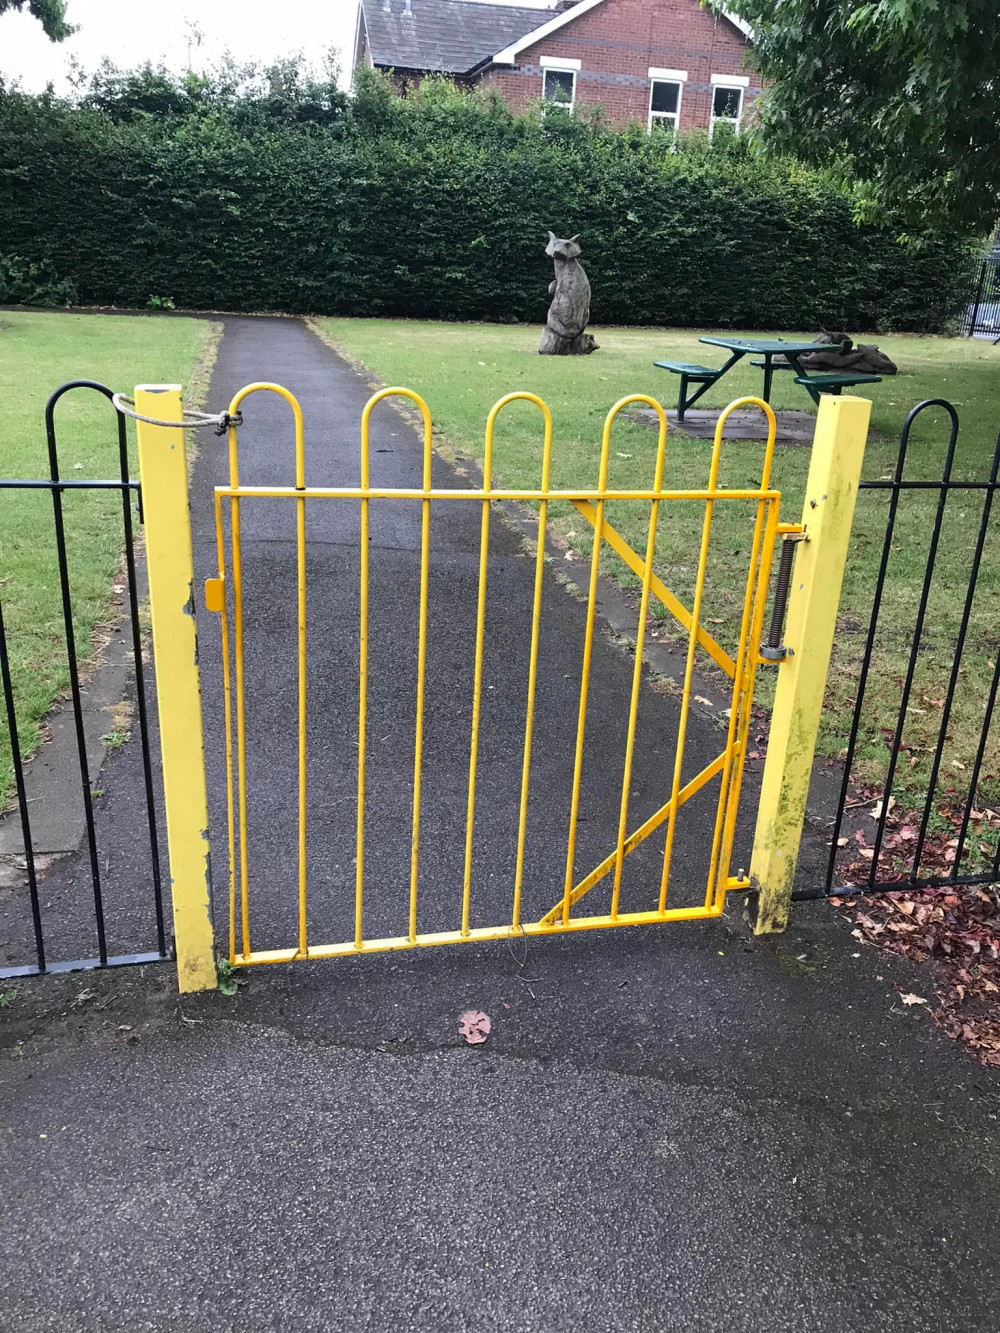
(85, 905)
(981, 316)
(880, 879)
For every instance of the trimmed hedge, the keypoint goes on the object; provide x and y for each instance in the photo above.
(437, 205)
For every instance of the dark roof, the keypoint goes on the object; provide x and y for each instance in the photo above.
(449, 36)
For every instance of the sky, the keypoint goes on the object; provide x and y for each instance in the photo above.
(129, 32)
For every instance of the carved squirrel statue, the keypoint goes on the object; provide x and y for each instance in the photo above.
(569, 312)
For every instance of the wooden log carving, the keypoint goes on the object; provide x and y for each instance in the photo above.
(569, 312)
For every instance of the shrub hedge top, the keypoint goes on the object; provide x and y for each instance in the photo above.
(284, 196)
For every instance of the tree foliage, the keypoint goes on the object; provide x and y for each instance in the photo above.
(903, 95)
(51, 14)
(286, 92)
(255, 191)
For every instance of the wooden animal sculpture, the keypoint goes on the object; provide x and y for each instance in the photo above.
(569, 312)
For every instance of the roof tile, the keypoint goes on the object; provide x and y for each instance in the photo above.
(446, 36)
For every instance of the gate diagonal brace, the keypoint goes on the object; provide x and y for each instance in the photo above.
(656, 586)
(640, 835)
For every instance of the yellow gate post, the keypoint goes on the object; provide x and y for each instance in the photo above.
(163, 477)
(827, 515)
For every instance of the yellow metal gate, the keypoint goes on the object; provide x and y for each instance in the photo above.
(224, 595)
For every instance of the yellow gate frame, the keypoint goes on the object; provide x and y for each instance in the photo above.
(827, 515)
(591, 504)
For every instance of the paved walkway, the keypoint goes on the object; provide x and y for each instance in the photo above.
(669, 1129)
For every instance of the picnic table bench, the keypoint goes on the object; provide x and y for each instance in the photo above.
(834, 382)
(827, 381)
(767, 349)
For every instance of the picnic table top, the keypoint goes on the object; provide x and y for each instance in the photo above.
(765, 345)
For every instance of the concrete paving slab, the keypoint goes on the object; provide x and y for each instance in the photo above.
(792, 427)
(52, 778)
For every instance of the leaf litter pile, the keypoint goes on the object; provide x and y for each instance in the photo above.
(954, 930)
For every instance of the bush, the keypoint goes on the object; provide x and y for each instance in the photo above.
(437, 205)
(23, 282)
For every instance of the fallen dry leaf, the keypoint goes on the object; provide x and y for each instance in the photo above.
(953, 930)
(474, 1026)
(700, 699)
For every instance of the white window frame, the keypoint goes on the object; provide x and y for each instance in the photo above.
(734, 83)
(559, 65)
(677, 76)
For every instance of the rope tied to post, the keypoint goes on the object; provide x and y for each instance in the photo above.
(189, 418)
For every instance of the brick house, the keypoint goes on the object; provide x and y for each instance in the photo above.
(669, 64)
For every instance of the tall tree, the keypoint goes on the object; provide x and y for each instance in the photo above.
(51, 14)
(904, 95)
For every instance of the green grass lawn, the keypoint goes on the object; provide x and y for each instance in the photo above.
(463, 369)
(38, 352)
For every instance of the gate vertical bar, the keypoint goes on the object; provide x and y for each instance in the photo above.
(163, 476)
(827, 516)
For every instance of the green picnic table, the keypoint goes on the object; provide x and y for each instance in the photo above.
(767, 349)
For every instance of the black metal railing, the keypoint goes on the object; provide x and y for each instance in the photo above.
(981, 316)
(898, 488)
(56, 486)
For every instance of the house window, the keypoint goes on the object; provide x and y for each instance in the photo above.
(664, 106)
(559, 81)
(560, 87)
(727, 101)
